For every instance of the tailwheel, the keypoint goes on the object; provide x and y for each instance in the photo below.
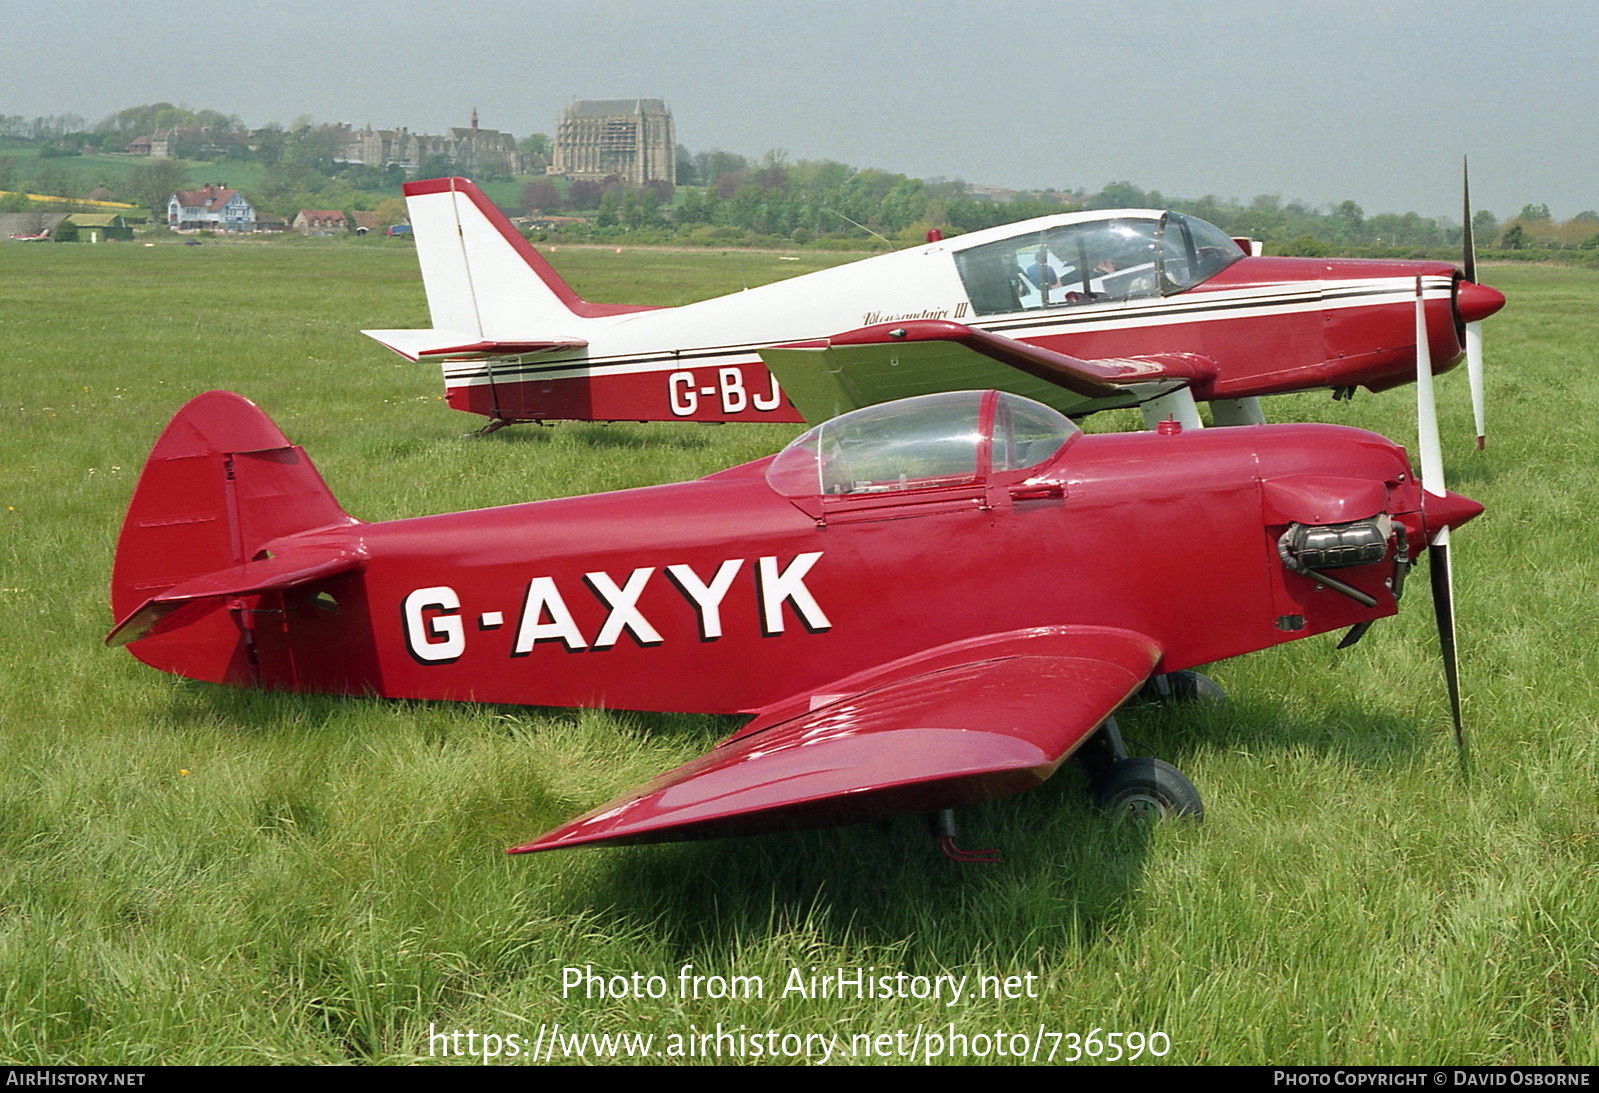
(1145, 790)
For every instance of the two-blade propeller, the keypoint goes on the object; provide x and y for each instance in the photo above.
(1434, 492)
(1473, 329)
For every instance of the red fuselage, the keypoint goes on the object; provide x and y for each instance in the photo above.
(721, 595)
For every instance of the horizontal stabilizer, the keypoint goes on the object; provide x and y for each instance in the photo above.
(455, 345)
(197, 597)
(992, 718)
(889, 361)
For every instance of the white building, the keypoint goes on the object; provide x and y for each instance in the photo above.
(210, 207)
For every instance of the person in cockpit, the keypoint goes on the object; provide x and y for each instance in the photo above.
(1041, 273)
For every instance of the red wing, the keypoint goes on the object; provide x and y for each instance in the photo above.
(947, 736)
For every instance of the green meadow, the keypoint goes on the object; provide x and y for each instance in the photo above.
(194, 874)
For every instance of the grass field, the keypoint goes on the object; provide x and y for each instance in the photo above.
(192, 874)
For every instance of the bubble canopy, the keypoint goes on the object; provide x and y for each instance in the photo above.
(954, 438)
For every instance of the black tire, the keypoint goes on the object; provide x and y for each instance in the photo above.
(1185, 686)
(1148, 790)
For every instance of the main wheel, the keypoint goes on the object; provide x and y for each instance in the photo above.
(1146, 790)
(1184, 686)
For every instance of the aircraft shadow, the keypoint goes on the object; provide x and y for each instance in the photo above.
(1062, 869)
(599, 436)
(1341, 728)
(1065, 869)
(1066, 872)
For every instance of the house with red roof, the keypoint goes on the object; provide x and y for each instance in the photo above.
(212, 207)
(320, 222)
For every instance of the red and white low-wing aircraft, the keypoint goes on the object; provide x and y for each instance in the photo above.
(1082, 311)
(921, 604)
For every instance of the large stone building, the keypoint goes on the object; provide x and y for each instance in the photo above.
(632, 139)
(470, 148)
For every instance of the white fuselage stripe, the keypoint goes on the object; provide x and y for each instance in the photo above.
(1257, 302)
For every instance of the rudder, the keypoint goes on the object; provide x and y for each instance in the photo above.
(482, 278)
(221, 482)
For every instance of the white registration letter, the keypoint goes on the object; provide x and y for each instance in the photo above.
(771, 401)
(789, 585)
(734, 398)
(707, 598)
(542, 596)
(438, 639)
(680, 393)
(623, 603)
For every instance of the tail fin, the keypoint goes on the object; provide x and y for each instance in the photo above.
(221, 483)
(487, 288)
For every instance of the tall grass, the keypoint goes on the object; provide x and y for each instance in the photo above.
(192, 874)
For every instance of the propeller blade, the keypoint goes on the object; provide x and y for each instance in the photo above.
(1470, 263)
(1430, 449)
(1432, 484)
(1474, 375)
(1443, 609)
(1473, 330)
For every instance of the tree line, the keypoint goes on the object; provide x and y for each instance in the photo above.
(720, 198)
(731, 197)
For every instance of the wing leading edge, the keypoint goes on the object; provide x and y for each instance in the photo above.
(969, 723)
(889, 361)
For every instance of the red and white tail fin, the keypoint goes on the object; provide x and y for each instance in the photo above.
(489, 292)
(221, 483)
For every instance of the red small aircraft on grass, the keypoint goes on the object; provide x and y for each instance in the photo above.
(1082, 311)
(922, 604)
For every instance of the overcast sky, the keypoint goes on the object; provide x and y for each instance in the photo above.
(1374, 100)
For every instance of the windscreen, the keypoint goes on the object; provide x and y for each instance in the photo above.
(930, 442)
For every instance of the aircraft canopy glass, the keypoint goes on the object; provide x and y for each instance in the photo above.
(954, 438)
(1114, 258)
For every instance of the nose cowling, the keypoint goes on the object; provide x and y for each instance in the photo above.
(1448, 511)
(1476, 302)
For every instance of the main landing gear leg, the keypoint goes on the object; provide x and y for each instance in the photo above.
(495, 425)
(1139, 789)
(1236, 411)
(1177, 405)
(1183, 686)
